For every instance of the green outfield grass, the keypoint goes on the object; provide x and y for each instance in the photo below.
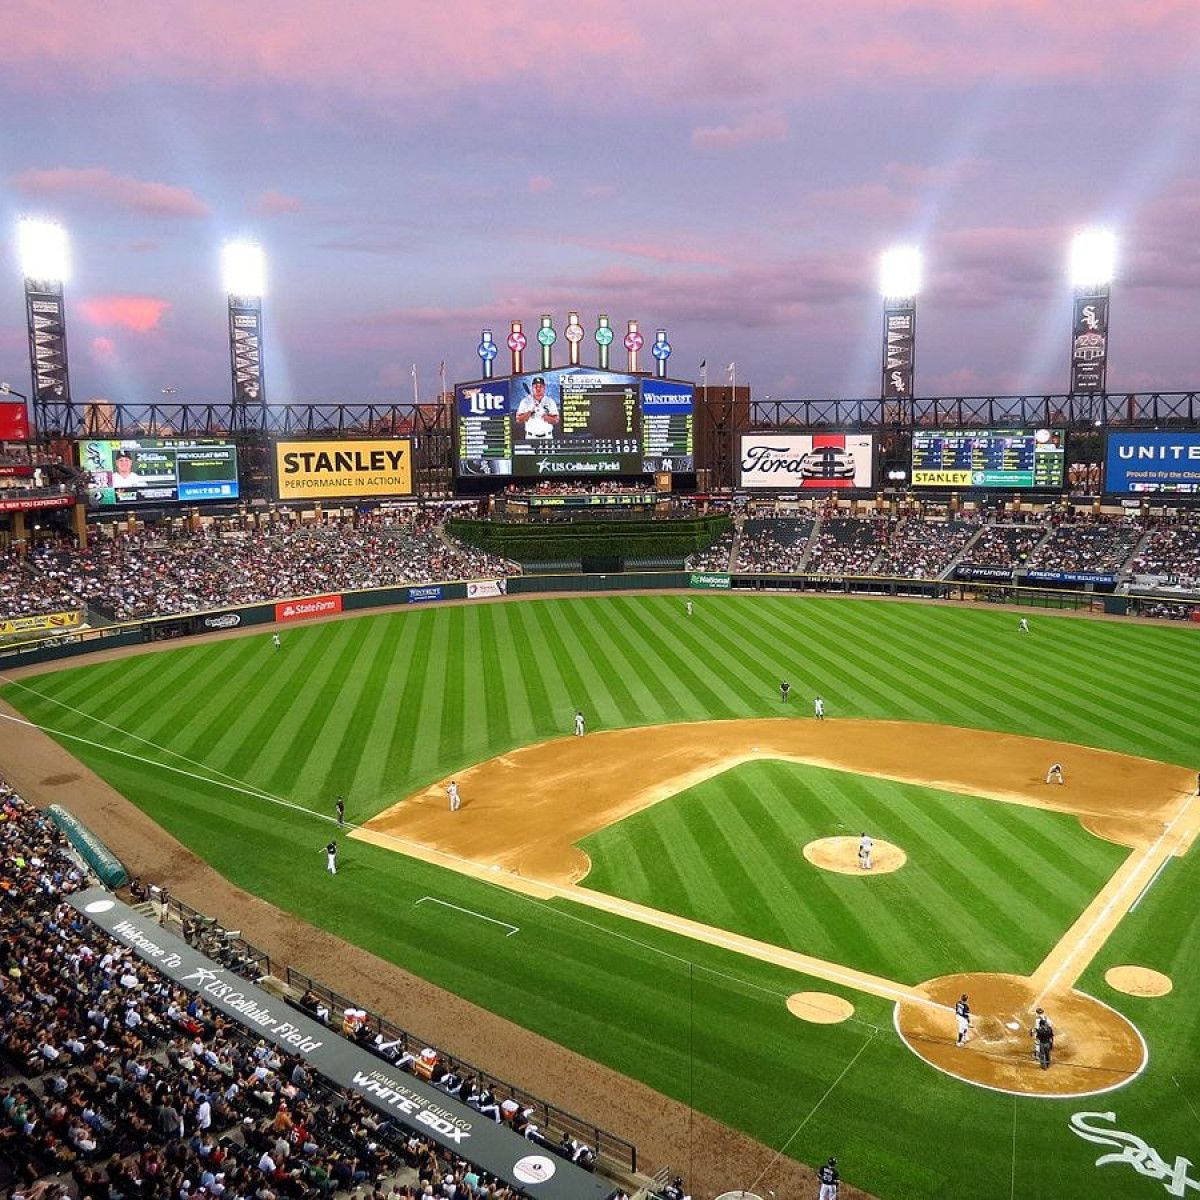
(987, 886)
(201, 736)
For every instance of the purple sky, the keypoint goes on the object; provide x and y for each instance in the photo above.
(729, 171)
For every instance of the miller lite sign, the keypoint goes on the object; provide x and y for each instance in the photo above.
(486, 399)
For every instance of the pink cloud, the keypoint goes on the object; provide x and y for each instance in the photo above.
(540, 184)
(146, 197)
(272, 204)
(753, 127)
(103, 349)
(139, 314)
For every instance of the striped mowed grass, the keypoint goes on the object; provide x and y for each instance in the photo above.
(207, 737)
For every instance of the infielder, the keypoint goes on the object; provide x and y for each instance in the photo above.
(340, 810)
(829, 1179)
(1023, 626)
(578, 724)
(275, 641)
(331, 858)
(962, 1014)
(1055, 774)
(452, 793)
(819, 709)
(865, 846)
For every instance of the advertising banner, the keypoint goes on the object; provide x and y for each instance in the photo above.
(477, 589)
(787, 461)
(14, 422)
(1069, 577)
(997, 574)
(421, 595)
(1152, 462)
(406, 1099)
(245, 351)
(899, 344)
(340, 470)
(310, 606)
(40, 623)
(30, 503)
(710, 580)
(1089, 344)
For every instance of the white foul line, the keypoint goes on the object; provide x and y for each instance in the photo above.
(1141, 895)
(470, 912)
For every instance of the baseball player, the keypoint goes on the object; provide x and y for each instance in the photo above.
(962, 1014)
(1043, 1039)
(331, 858)
(578, 724)
(340, 810)
(452, 793)
(829, 1179)
(865, 846)
(784, 688)
(689, 608)
(537, 414)
(1055, 774)
(275, 641)
(819, 709)
(1023, 626)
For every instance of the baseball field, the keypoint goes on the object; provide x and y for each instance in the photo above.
(676, 893)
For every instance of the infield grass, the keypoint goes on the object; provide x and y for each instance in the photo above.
(207, 737)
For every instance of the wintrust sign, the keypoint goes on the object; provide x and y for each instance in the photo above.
(311, 606)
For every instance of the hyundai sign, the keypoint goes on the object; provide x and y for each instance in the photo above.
(1153, 462)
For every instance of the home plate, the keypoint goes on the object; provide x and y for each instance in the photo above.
(1014, 1024)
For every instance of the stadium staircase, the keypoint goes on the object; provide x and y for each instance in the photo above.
(813, 536)
(948, 573)
(1125, 573)
(739, 523)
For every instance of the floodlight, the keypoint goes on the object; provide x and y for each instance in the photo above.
(245, 268)
(42, 246)
(1093, 255)
(900, 273)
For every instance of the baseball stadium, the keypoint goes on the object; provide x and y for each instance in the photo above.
(680, 798)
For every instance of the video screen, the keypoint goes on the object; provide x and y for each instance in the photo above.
(574, 421)
(806, 460)
(989, 458)
(1152, 462)
(159, 470)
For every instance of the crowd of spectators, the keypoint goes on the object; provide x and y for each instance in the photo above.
(1003, 546)
(150, 573)
(1100, 547)
(716, 556)
(773, 546)
(847, 545)
(115, 1083)
(1173, 554)
(918, 549)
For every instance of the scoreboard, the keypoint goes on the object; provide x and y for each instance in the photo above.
(990, 458)
(574, 421)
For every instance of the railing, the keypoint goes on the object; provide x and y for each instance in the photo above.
(610, 1149)
(207, 935)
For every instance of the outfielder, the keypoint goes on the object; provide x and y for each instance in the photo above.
(452, 793)
(1055, 774)
(689, 608)
(819, 709)
(1023, 626)
(962, 1014)
(331, 858)
(578, 724)
(275, 641)
(784, 689)
(829, 1179)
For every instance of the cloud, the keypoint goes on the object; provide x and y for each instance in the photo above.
(753, 127)
(139, 314)
(98, 184)
(273, 204)
(104, 350)
(540, 184)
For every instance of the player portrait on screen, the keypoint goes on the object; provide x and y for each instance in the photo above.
(537, 414)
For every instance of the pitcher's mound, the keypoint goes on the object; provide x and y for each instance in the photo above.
(841, 854)
(1138, 981)
(821, 1008)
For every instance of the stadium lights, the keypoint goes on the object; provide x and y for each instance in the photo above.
(900, 272)
(244, 267)
(42, 248)
(1093, 256)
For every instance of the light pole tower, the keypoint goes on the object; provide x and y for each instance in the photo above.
(1093, 255)
(42, 246)
(244, 270)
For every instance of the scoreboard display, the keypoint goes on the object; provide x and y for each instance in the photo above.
(160, 470)
(574, 421)
(990, 458)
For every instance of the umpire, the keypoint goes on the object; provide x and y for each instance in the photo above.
(1043, 1039)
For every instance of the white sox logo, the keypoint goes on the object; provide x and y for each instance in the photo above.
(1088, 316)
(1144, 1159)
(898, 382)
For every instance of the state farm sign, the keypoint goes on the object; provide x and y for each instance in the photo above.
(310, 606)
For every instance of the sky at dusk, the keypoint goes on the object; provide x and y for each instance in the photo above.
(730, 172)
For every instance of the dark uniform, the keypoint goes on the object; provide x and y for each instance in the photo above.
(962, 1010)
(1043, 1040)
(784, 688)
(828, 1178)
(340, 809)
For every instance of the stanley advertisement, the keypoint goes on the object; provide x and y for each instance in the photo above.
(336, 470)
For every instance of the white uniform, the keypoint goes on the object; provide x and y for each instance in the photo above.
(819, 709)
(865, 845)
(579, 724)
(1023, 627)
(452, 792)
(331, 858)
(1055, 774)
(275, 641)
(689, 608)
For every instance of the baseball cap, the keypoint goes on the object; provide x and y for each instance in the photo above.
(539, 379)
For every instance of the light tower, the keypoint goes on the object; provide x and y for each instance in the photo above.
(1093, 256)
(899, 283)
(244, 270)
(45, 262)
